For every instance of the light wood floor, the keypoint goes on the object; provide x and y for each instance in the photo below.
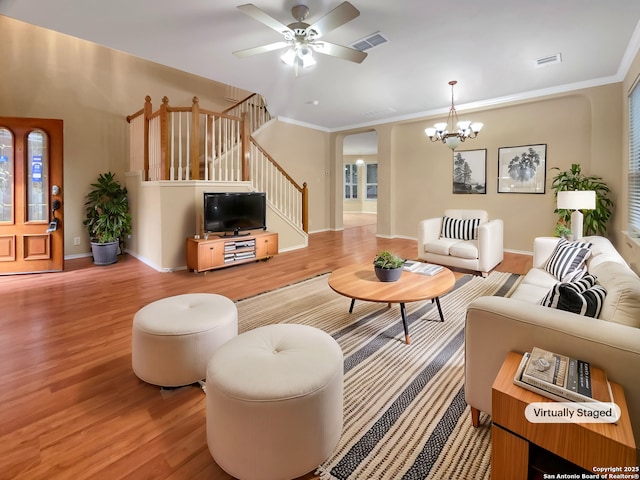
(358, 219)
(70, 405)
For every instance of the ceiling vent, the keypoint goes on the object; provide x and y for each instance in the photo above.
(380, 113)
(369, 42)
(549, 60)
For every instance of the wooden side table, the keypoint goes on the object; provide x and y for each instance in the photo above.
(521, 448)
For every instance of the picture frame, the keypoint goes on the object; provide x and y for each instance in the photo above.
(522, 169)
(470, 171)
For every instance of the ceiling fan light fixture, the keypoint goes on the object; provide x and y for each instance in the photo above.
(306, 59)
(289, 57)
(300, 38)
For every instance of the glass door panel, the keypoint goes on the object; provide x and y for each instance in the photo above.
(37, 177)
(6, 176)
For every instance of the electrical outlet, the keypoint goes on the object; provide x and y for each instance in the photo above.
(76, 240)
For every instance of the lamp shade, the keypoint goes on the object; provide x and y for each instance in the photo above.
(577, 200)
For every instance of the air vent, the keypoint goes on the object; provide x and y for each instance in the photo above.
(369, 42)
(549, 60)
(380, 113)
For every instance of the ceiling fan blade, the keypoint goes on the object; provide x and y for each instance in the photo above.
(339, 51)
(262, 49)
(263, 18)
(343, 13)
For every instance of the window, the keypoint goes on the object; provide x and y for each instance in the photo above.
(6, 176)
(372, 181)
(351, 181)
(37, 177)
(634, 157)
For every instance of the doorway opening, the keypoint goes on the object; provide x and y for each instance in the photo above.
(360, 180)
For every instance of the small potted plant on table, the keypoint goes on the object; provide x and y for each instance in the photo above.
(388, 267)
(108, 220)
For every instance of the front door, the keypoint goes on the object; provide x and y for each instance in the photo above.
(31, 207)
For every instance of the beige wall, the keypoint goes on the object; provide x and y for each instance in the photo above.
(303, 153)
(415, 175)
(92, 89)
(165, 213)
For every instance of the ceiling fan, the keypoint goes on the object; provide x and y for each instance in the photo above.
(302, 39)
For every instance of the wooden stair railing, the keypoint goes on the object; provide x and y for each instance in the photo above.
(282, 191)
(191, 143)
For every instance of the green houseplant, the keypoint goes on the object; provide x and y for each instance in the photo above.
(388, 267)
(107, 218)
(595, 221)
(562, 231)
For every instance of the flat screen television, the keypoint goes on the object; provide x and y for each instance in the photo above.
(234, 212)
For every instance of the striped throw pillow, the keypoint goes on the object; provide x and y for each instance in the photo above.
(573, 297)
(568, 260)
(581, 285)
(460, 229)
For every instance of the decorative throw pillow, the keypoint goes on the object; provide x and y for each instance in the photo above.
(573, 298)
(581, 285)
(460, 229)
(568, 260)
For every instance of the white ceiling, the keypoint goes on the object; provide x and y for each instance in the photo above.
(488, 46)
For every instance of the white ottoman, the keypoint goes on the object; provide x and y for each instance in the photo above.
(274, 402)
(174, 338)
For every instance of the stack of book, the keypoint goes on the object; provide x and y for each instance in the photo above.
(423, 268)
(555, 376)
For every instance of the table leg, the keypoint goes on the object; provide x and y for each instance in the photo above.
(437, 299)
(353, 302)
(403, 313)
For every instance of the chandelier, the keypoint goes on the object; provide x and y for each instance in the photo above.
(440, 130)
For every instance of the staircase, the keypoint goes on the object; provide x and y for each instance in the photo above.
(179, 144)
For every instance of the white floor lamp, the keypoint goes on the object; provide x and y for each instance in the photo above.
(577, 200)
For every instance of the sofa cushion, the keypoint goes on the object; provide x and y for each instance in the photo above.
(583, 298)
(465, 249)
(530, 292)
(441, 246)
(622, 304)
(567, 262)
(460, 229)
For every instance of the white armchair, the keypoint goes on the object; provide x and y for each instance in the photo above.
(481, 252)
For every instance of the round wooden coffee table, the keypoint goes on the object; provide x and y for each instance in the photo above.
(359, 282)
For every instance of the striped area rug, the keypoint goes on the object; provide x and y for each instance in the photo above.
(404, 411)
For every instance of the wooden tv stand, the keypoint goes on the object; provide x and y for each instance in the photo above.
(219, 251)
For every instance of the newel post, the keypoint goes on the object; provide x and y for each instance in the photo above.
(246, 156)
(305, 208)
(164, 139)
(148, 110)
(195, 141)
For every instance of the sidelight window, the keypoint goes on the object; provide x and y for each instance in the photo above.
(37, 176)
(6, 176)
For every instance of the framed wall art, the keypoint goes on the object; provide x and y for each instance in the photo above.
(522, 169)
(470, 171)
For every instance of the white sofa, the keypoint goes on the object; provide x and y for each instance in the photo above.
(497, 325)
(480, 254)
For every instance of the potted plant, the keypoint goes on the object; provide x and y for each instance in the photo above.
(563, 231)
(595, 221)
(388, 267)
(108, 220)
